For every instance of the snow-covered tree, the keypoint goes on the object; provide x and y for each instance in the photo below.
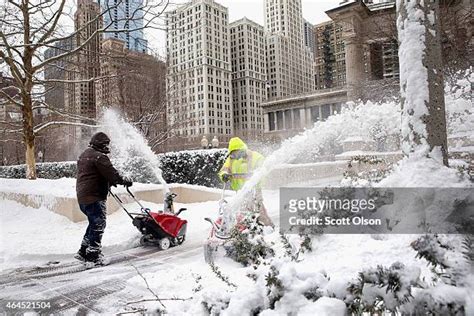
(27, 29)
(421, 80)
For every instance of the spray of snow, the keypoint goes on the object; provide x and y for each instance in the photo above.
(374, 121)
(127, 142)
(352, 121)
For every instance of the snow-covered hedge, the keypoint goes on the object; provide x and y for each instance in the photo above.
(192, 167)
(47, 170)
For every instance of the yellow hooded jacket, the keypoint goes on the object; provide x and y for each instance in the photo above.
(240, 169)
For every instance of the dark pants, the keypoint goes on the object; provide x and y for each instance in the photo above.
(96, 215)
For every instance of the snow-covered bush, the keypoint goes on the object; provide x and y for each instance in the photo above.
(249, 246)
(47, 170)
(381, 169)
(381, 289)
(192, 167)
(448, 255)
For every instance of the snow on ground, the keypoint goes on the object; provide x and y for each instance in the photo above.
(32, 236)
(340, 256)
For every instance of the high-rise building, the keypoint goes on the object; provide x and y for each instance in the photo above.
(309, 36)
(82, 70)
(124, 20)
(198, 73)
(80, 97)
(54, 90)
(330, 64)
(247, 47)
(289, 60)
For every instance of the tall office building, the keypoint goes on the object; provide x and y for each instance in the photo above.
(54, 91)
(309, 36)
(198, 73)
(289, 60)
(81, 69)
(80, 96)
(247, 48)
(124, 19)
(330, 63)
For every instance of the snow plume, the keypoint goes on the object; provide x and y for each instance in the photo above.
(413, 78)
(128, 144)
(354, 120)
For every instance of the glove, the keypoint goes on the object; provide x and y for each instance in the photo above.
(226, 177)
(127, 183)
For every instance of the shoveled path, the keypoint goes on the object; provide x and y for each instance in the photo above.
(70, 287)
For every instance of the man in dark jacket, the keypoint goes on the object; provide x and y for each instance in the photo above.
(95, 174)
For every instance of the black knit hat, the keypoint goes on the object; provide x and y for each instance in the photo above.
(100, 141)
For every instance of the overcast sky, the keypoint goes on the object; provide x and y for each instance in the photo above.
(313, 11)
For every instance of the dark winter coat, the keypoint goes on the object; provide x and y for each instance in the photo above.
(95, 174)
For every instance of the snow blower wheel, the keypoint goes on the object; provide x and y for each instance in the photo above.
(164, 243)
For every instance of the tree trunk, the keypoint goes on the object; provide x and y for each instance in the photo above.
(421, 80)
(29, 137)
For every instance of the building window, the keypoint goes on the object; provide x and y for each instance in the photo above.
(325, 111)
(271, 121)
(315, 114)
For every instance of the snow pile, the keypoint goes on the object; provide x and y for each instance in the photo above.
(424, 172)
(128, 145)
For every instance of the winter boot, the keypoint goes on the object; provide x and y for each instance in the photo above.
(81, 254)
(96, 258)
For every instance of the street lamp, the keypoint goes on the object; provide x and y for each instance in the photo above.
(204, 142)
(40, 156)
(215, 142)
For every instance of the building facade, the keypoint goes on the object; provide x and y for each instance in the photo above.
(370, 43)
(80, 96)
(247, 47)
(124, 20)
(289, 60)
(309, 36)
(330, 63)
(288, 116)
(198, 73)
(134, 83)
(82, 71)
(55, 91)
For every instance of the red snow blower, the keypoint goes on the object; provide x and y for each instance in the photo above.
(162, 229)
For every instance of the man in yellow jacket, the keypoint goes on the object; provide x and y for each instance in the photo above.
(238, 168)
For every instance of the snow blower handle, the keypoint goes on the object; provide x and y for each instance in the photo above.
(120, 202)
(224, 187)
(144, 209)
(134, 198)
